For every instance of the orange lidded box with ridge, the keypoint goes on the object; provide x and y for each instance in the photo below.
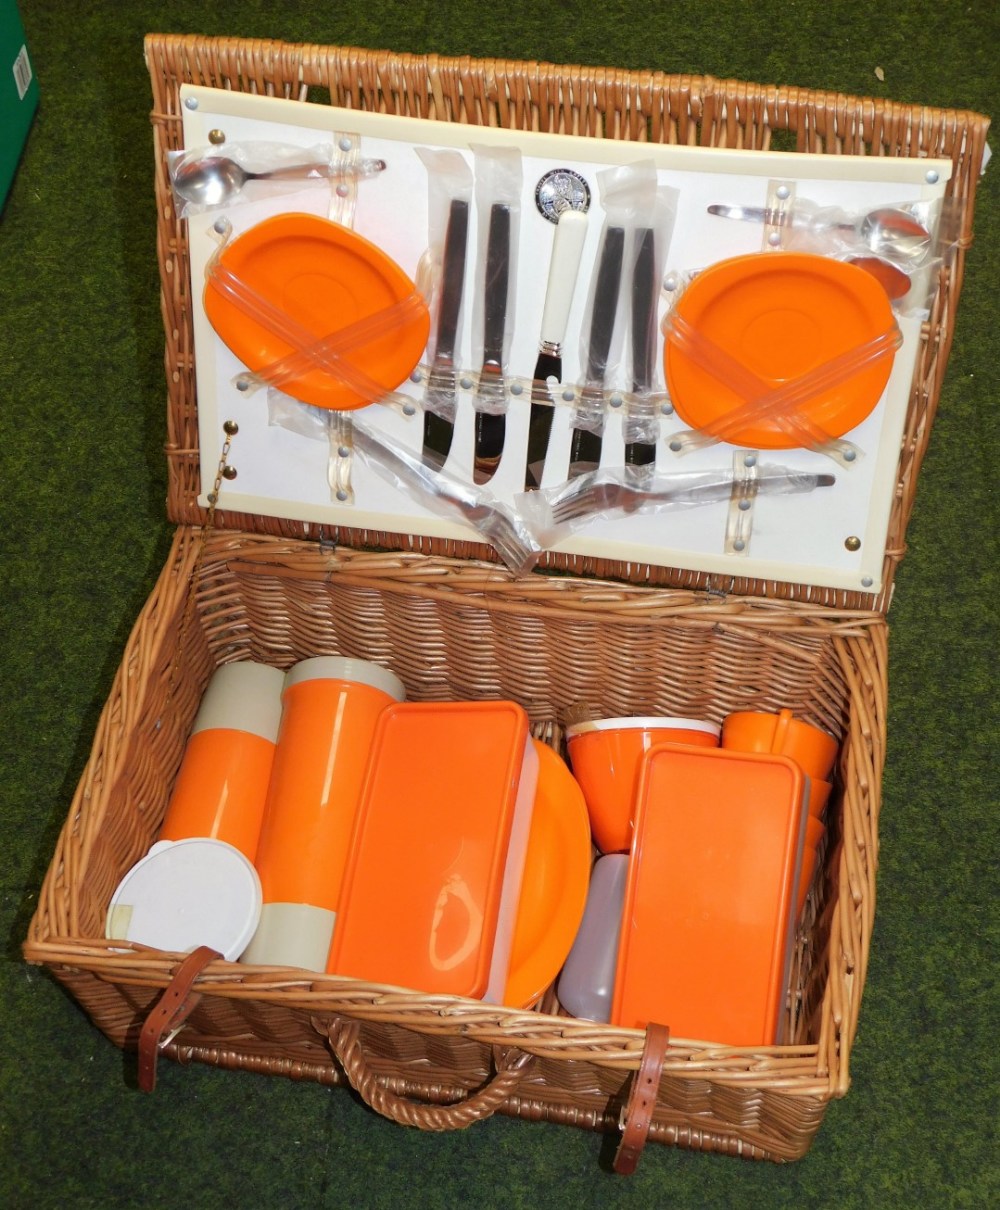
(710, 896)
(433, 877)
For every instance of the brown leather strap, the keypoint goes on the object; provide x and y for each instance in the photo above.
(638, 1115)
(170, 1012)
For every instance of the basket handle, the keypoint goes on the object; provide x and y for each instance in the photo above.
(511, 1067)
(637, 1116)
(170, 1012)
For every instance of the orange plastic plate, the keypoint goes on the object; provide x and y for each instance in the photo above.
(434, 872)
(781, 315)
(710, 895)
(556, 877)
(324, 277)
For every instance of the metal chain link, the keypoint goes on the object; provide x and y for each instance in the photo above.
(223, 471)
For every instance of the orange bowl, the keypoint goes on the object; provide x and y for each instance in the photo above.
(605, 755)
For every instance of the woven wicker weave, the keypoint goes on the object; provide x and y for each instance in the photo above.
(453, 624)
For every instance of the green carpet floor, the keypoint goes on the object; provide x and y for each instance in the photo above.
(83, 535)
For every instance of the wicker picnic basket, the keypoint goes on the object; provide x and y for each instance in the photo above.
(453, 623)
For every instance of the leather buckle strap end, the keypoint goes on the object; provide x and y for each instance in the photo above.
(170, 1012)
(638, 1113)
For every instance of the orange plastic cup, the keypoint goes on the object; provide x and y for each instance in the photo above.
(815, 831)
(330, 706)
(819, 796)
(221, 788)
(605, 755)
(781, 734)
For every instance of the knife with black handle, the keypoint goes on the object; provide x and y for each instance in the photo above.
(585, 450)
(643, 330)
(491, 424)
(439, 425)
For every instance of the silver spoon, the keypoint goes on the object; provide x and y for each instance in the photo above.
(215, 179)
(887, 231)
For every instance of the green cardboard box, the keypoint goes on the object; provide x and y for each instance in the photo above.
(18, 94)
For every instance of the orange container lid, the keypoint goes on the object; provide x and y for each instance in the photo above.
(434, 873)
(710, 897)
(324, 277)
(554, 887)
(780, 315)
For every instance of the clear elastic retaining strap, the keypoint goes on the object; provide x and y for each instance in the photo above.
(783, 405)
(327, 353)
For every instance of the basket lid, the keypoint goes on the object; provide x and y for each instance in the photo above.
(837, 545)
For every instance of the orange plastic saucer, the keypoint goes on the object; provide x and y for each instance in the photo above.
(324, 277)
(780, 314)
(554, 888)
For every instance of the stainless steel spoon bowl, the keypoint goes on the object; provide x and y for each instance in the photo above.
(895, 234)
(215, 179)
(887, 231)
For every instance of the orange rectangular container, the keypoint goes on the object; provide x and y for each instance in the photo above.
(710, 898)
(433, 876)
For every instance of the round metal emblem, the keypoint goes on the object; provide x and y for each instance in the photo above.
(559, 190)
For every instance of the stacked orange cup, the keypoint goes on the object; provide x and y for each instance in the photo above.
(813, 750)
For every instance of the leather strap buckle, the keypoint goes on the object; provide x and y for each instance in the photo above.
(637, 1116)
(168, 1015)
